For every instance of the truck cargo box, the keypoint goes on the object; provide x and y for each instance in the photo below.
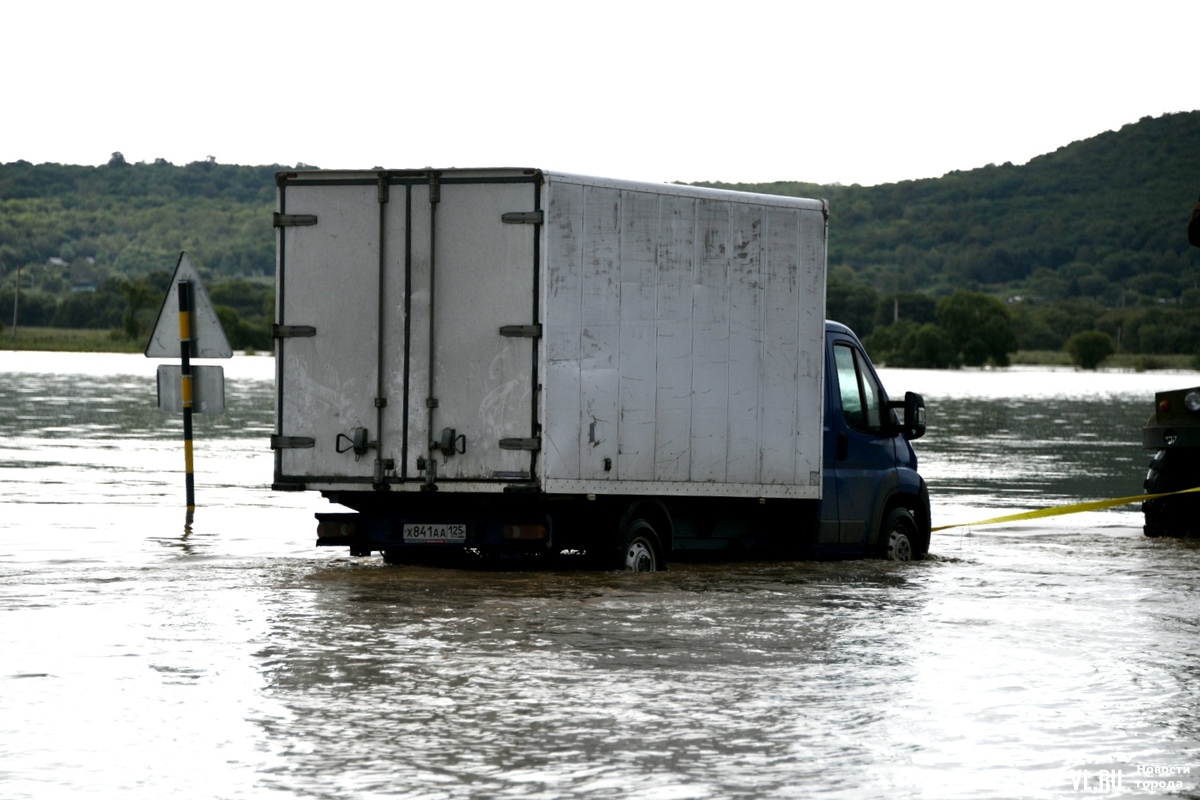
(518, 330)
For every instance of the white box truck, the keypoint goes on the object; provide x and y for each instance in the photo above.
(519, 362)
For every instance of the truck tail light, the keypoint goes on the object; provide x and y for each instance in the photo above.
(524, 532)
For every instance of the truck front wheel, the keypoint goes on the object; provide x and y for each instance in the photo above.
(642, 551)
(897, 535)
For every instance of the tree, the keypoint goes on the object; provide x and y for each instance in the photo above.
(1090, 348)
(244, 335)
(980, 326)
(908, 344)
(849, 300)
(930, 347)
(143, 297)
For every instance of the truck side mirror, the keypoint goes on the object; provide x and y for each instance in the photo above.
(914, 416)
(913, 424)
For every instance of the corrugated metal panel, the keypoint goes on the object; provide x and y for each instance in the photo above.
(563, 325)
(710, 338)
(673, 373)
(600, 333)
(683, 340)
(638, 358)
(745, 344)
(781, 347)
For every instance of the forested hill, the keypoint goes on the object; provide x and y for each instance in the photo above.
(1109, 208)
(130, 219)
(1091, 236)
(1094, 219)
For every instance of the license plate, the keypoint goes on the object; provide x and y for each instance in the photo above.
(453, 533)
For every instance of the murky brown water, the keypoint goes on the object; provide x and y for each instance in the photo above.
(238, 661)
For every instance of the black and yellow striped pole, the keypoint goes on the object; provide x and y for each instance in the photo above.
(198, 389)
(185, 380)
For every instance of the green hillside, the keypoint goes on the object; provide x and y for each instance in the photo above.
(1081, 221)
(1089, 237)
(135, 218)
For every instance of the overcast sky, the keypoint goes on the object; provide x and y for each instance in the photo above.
(829, 92)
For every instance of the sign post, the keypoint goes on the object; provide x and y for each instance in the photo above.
(200, 336)
(185, 388)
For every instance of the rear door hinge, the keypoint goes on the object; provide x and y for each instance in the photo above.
(522, 217)
(522, 331)
(292, 442)
(294, 220)
(532, 443)
(292, 331)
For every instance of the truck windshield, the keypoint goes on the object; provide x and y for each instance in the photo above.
(859, 392)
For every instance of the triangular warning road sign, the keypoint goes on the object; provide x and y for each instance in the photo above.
(208, 337)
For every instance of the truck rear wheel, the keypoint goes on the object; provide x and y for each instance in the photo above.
(642, 551)
(897, 536)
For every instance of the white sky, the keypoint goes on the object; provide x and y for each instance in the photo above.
(844, 92)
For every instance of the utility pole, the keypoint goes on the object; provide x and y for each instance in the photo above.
(16, 302)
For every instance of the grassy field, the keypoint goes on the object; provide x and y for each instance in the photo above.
(69, 340)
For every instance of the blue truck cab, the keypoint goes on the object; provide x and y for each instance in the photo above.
(874, 502)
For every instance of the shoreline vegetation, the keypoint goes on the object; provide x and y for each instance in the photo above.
(82, 340)
(77, 340)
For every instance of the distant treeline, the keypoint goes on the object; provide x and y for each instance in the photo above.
(129, 307)
(130, 219)
(96, 244)
(1087, 238)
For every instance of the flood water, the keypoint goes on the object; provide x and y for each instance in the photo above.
(1049, 658)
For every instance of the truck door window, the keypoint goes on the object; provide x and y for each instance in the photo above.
(861, 403)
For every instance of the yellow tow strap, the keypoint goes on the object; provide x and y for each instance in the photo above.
(1075, 508)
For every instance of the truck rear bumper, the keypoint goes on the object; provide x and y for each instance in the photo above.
(364, 534)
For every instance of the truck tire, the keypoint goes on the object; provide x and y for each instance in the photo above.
(1179, 515)
(898, 535)
(641, 550)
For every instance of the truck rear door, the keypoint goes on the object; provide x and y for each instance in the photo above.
(474, 359)
(328, 312)
(406, 308)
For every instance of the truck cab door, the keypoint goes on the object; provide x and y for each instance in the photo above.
(861, 450)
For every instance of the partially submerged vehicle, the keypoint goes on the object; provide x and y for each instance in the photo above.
(1174, 433)
(519, 362)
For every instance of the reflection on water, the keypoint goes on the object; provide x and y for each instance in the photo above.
(590, 685)
(237, 661)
